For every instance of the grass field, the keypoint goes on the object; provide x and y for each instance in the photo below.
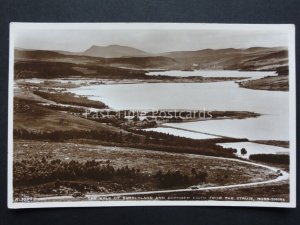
(221, 171)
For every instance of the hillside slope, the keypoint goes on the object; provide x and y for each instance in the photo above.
(113, 51)
(257, 58)
(119, 60)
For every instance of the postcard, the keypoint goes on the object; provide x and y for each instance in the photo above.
(151, 114)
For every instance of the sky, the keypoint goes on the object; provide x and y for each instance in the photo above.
(152, 41)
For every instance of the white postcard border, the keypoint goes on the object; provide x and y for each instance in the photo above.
(289, 28)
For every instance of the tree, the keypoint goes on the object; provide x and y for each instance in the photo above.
(147, 139)
(243, 151)
(193, 171)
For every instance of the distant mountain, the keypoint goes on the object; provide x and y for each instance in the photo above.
(132, 62)
(255, 58)
(114, 51)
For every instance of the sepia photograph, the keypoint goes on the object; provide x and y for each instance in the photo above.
(142, 114)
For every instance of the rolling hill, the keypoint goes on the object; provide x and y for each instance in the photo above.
(256, 58)
(114, 51)
(101, 59)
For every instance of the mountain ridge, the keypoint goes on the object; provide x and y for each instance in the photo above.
(254, 58)
(113, 51)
